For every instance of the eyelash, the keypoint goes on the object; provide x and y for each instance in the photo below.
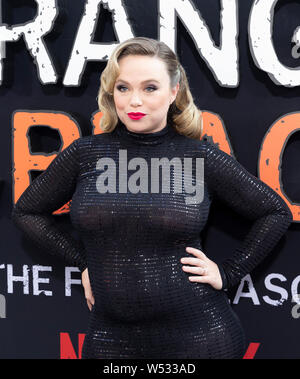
(121, 86)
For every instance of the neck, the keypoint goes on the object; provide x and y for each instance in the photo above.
(149, 138)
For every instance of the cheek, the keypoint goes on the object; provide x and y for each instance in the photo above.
(119, 102)
(161, 101)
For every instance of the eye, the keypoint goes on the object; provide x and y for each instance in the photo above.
(119, 87)
(153, 88)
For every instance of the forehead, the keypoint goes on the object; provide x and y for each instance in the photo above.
(140, 68)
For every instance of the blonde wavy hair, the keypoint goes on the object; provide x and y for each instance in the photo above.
(182, 114)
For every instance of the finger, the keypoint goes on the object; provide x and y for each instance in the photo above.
(192, 261)
(199, 279)
(91, 300)
(88, 294)
(198, 253)
(195, 270)
(89, 305)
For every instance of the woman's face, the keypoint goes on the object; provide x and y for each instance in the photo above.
(143, 86)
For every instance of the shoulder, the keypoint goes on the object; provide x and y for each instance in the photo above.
(212, 150)
(90, 140)
(201, 146)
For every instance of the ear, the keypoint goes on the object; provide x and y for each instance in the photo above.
(174, 92)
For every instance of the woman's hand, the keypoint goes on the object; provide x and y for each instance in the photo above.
(206, 270)
(87, 289)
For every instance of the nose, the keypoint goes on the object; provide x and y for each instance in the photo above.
(135, 100)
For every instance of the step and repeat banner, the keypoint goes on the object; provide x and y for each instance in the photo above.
(242, 59)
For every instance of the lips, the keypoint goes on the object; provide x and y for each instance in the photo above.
(136, 116)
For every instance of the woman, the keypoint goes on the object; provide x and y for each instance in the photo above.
(151, 289)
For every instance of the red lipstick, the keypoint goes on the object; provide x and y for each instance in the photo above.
(136, 115)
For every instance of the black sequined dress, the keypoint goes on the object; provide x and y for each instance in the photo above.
(132, 242)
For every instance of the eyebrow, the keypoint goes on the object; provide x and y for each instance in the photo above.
(145, 81)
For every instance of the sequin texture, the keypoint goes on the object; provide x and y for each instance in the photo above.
(132, 243)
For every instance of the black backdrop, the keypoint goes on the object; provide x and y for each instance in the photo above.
(41, 326)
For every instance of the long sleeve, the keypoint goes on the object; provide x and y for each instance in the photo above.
(230, 182)
(32, 213)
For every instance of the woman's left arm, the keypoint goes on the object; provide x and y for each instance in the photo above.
(253, 199)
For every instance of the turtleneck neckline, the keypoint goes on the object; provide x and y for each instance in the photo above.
(152, 138)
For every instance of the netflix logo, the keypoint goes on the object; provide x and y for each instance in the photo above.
(70, 350)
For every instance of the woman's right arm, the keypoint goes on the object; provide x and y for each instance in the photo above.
(53, 188)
